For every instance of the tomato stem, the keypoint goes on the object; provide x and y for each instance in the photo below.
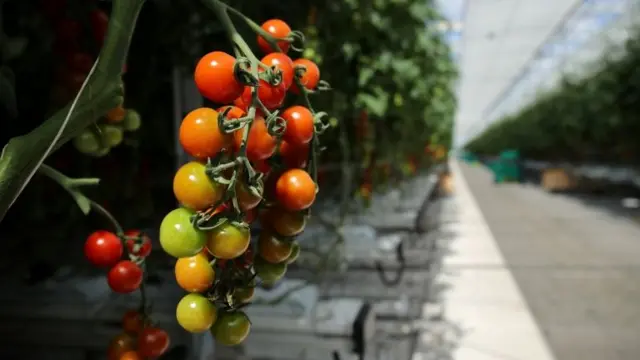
(104, 212)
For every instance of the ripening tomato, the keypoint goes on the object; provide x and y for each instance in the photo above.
(103, 248)
(153, 342)
(228, 241)
(195, 313)
(246, 199)
(111, 135)
(83, 62)
(243, 295)
(311, 76)
(99, 25)
(130, 355)
(144, 244)
(234, 113)
(120, 345)
(295, 190)
(200, 135)
(125, 277)
(285, 223)
(279, 30)
(295, 253)
(260, 144)
(300, 127)
(215, 78)
(116, 114)
(270, 273)
(231, 328)
(294, 156)
(133, 322)
(194, 274)
(194, 189)
(178, 237)
(250, 215)
(262, 166)
(283, 63)
(273, 249)
(271, 96)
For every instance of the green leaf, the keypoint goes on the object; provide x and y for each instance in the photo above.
(365, 75)
(376, 105)
(83, 202)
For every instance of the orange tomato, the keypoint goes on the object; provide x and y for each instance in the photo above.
(132, 322)
(295, 190)
(194, 274)
(194, 189)
(227, 241)
(120, 345)
(273, 249)
(116, 114)
(215, 78)
(130, 355)
(246, 199)
(311, 76)
(200, 135)
(294, 156)
(279, 30)
(300, 126)
(260, 144)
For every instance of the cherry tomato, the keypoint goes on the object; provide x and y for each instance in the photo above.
(145, 245)
(125, 277)
(311, 76)
(130, 355)
(243, 295)
(294, 156)
(195, 313)
(260, 144)
(194, 189)
(194, 274)
(133, 322)
(295, 253)
(178, 237)
(299, 125)
(99, 25)
(234, 113)
(285, 223)
(228, 241)
(82, 62)
(279, 30)
(262, 166)
(200, 135)
(295, 190)
(103, 248)
(87, 142)
(119, 345)
(273, 249)
(246, 199)
(112, 135)
(269, 273)
(250, 215)
(215, 78)
(116, 115)
(271, 96)
(231, 328)
(153, 342)
(284, 64)
(132, 121)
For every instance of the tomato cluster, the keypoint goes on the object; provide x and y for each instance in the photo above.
(238, 176)
(78, 36)
(139, 339)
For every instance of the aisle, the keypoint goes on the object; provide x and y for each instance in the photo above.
(577, 267)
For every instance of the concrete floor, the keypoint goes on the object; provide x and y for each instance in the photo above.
(577, 267)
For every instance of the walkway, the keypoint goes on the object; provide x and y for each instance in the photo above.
(577, 270)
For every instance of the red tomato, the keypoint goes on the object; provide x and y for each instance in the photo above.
(125, 277)
(294, 156)
(262, 166)
(145, 246)
(260, 144)
(295, 190)
(250, 216)
(271, 96)
(234, 113)
(153, 342)
(103, 248)
(279, 30)
(284, 64)
(299, 125)
(311, 76)
(81, 62)
(99, 25)
(215, 78)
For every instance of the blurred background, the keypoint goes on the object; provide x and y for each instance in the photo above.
(484, 153)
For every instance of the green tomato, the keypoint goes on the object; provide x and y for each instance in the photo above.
(268, 272)
(178, 237)
(295, 253)
(132, 121)
(102, 152)
(87, 142)
(195, 313)
(231, 328)
(112, 135)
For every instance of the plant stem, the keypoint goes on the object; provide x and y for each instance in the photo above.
(65, 181)
(102, 91)
(104, 212)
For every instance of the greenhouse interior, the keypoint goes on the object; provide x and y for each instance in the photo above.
(320, 179)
